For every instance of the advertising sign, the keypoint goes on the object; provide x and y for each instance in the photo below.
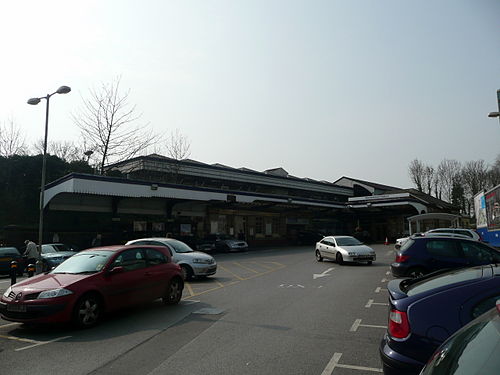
(492, 200)
(480, 208)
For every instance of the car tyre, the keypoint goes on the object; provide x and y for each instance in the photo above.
(319, 258)
(87, 311)
(174, 292)
(339, 258)
(187, 272)
(416, 272)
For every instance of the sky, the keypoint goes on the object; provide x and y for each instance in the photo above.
(324, 89)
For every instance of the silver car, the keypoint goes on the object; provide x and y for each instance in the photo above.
(193, 263)
(344, 249)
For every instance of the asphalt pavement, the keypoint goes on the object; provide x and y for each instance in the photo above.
(275, 311)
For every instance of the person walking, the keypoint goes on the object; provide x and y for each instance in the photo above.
(31, 252)
(97, 240)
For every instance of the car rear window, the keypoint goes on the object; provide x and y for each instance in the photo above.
(407, 245)
(440, 280)
(8, 251)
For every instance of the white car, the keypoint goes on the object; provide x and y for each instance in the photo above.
(344, 249)
(193, 263)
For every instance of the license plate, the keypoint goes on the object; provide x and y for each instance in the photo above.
(16, 308)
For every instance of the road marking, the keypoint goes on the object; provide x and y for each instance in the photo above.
(334, 362)
(291, 286)
(323, 274)
(245, 267)
(388, 273)
(19, 339)
(384, 280)
(190, 289)
(263, 265)
(232, 273)
(40, 343)
(9, 325)
(191, 301)
(378, 289)
(370, 303)
(357, 324)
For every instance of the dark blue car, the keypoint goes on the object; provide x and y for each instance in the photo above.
(7, 255)
(425, 311)
(421, 255)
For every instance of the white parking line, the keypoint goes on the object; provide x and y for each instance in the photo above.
(357, 324)
(370, 303)
(378, 289)
(39, 343)
(9, 325)
(384, 280)
(388, 273)
(334, 362)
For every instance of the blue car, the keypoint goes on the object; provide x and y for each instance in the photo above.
(422, 255)
(473, 350)
(425, 311)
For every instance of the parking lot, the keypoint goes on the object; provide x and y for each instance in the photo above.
(270, 311)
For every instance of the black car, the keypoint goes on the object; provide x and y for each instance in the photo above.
(7, 255)
(421, 255)
(473, 350)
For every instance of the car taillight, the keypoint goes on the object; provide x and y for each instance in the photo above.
(401, 258)
(399, 327)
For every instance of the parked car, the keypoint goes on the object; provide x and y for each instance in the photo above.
(92, 282)
(54, 254)
(421, 255)
(7, 255)
(453, 232)
(344, 249)
(223, 243)
(424, 312)
(473, 350)
(193, 263)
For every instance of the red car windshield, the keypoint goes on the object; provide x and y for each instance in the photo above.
(86, 262)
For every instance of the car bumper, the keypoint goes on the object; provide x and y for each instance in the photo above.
(399, 270)
(362, 258)
(397, 364)
(238, 248)
(36, 313)
(205, 270)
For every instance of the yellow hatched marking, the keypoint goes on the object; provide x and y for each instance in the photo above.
(263, 265)
(245, 267)
(19, 339)
(190, 289)
(232, 273)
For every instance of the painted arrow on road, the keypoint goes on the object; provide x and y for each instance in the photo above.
(318, 275)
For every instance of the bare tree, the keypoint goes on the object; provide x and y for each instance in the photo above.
(106, 121)
(178, 148)
(416, 170)
(428, 179)
(12, 140)
(449, 172)
(65, 150)
(494, 173)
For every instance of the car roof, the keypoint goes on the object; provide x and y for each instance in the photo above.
(342, 236)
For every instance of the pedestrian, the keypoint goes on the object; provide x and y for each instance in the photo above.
(31, 252)
(97, 240)
(55, 238)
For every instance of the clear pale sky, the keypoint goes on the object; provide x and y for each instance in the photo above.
(320, 88)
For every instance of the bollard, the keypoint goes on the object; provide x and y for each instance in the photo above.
(13, 272)
(31, 269)
(38, 266)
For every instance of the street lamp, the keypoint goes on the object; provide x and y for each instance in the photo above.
(35, 101)
(496, 114)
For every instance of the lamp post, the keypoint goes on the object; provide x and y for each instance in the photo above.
(496, 114)
(35, 101)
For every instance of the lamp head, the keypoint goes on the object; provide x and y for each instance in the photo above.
(34, 101)
(63, 90)
(494, 114)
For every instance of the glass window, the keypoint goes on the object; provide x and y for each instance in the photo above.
(130, 260)
(155, 257)
(8, 251)
(485, 305)
(180, 247)
(443, 249)
(48, 249)
(85, 262)
(464, 233)
(444, 279)
(478, 252)
(347, 241)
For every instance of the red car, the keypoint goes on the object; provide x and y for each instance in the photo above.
(92, 282)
